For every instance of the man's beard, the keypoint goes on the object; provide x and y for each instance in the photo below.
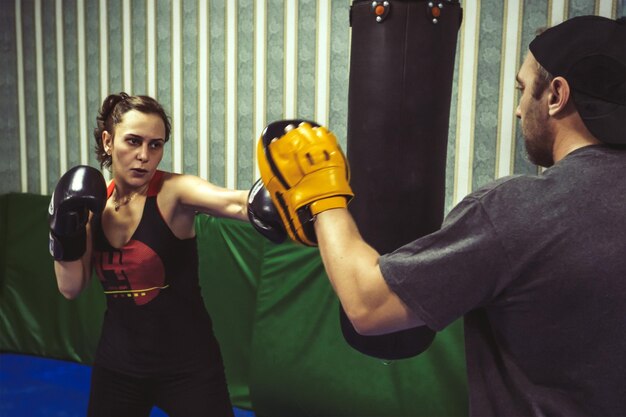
(538, 138)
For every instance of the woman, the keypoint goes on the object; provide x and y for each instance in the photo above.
(157, 345)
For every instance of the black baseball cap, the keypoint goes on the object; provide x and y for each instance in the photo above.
(590, 53)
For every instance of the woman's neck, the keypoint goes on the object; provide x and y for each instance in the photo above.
(124, 194)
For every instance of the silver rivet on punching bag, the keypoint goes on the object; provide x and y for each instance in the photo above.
(435, 11)
(380, 9)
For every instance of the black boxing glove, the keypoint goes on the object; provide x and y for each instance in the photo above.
(263, 214)
(80, 190)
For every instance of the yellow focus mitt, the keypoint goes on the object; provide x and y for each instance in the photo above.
(305, 171)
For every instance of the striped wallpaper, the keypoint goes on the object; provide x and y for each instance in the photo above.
(225, 68)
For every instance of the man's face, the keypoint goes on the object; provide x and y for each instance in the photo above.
(532, 111)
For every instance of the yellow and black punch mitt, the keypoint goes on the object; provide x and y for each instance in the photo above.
(305, 172)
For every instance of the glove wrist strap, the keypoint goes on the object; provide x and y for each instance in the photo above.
(64, 248)
(319, 206)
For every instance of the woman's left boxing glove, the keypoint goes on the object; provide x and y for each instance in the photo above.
(263, 214)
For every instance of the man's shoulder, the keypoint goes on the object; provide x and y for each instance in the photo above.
(513, 199)
(515, 184)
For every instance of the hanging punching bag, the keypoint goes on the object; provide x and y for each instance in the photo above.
(401, 71)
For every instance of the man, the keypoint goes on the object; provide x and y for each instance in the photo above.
(536, 265)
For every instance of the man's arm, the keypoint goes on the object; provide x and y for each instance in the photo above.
(353, 270)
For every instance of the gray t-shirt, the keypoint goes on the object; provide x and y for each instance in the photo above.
(536, 265)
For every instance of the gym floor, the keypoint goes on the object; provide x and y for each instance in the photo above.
(38, 387)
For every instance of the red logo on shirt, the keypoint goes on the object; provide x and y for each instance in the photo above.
(135, 271)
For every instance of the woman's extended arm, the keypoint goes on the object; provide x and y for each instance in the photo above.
(202, 196)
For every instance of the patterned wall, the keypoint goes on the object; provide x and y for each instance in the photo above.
(224, 68)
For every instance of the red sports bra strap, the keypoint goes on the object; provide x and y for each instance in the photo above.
(153, 188)
(110, 189)
(155, 183)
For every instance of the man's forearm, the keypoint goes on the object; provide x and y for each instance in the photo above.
(344, 253)
(352, 267)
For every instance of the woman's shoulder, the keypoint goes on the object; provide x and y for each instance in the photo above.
(175, 180)
(180, 186)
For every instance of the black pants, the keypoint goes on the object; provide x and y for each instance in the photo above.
(201, 394)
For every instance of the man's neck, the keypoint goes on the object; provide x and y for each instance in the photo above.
(571, 136)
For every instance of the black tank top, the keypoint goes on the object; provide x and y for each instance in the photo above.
(156, 321)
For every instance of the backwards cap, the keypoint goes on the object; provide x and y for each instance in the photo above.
(590, 53)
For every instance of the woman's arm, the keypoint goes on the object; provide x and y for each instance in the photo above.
(73, 276)
(80, 190)
(353, 270)
(200, 195)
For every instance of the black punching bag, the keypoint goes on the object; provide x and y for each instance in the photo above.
(401, 71)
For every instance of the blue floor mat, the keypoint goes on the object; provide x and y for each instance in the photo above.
(38, 387)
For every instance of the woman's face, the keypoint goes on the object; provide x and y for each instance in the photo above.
(136, 147)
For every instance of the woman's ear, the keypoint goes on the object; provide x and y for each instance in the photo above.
(558, 96)
(107, 142)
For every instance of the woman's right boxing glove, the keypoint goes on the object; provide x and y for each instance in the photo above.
(80, 190)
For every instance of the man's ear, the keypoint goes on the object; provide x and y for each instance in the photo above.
(558, 96)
